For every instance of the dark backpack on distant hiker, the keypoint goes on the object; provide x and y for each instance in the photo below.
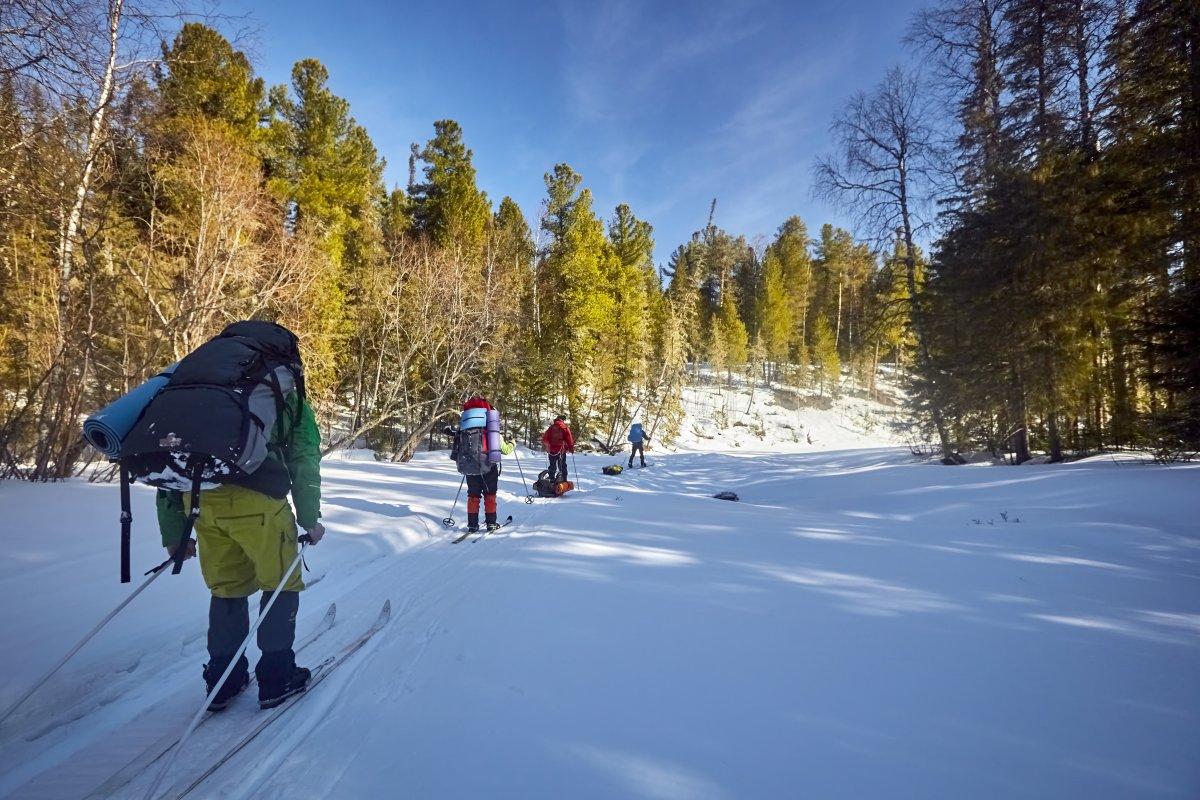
(211, 424)
(470, 453)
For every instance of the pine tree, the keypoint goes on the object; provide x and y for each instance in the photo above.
(324, 168)
(684, 271)
(448, 205)
(825, 357)
(203, 75)
(733, 335)
(579, 307)
(632, 249)
(775, 312)
(791, 248)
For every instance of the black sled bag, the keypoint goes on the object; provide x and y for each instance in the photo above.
(543, 486)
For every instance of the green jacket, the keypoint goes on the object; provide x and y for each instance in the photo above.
(302, 457)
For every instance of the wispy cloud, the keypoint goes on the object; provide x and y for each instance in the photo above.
(758, 157)
(676, 106)
(618, 53)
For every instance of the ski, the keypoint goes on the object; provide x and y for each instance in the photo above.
(156, 751)
(464, 535)
(504, 524)
(319, 673)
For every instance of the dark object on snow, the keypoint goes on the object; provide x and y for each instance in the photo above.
(954, 460)
(543, 486)
(613, 469)
(726, 496)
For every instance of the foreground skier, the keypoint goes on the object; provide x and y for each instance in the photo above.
(247, 538)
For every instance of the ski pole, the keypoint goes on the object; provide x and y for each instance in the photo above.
(449, 521)
(575, 466)
(154, 573)
(528, 496)
(162, 772)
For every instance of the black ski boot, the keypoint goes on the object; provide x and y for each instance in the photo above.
(491, 523)
(238, 680)
(279, 678)
(472, 523)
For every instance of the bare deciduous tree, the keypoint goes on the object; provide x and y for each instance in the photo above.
(884, 171)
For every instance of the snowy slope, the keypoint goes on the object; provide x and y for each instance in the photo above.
(789, 419)
(858, 626)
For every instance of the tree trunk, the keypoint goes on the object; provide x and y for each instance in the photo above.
(1056, 451)
(1020, 419)
(66, 385)
(837, 331)
(874, 370)
(916, 314)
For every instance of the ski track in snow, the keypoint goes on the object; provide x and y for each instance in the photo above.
(859, 625)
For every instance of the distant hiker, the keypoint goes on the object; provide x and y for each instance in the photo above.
(246, 528)
(638, 438)
(477, 450)
(558, 442)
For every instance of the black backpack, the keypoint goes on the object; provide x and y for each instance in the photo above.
(211, 424)
(543, 486)
(470, 453)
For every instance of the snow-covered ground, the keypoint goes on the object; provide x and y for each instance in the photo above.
(859, 625)
(790, 419)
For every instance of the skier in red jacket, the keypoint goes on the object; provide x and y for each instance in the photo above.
(558, 442)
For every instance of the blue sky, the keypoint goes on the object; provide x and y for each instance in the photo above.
(660, 105)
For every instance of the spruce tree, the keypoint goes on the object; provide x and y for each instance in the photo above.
(448, 206)
(775, 313)
(202, 75)
(791, 248)
(325, 170)
(579, 304)
(827, 364)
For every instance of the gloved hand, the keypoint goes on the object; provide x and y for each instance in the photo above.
(189, 553)
(315, 533)
(507, 448)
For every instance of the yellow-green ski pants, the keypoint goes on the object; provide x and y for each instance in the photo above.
(246, 540)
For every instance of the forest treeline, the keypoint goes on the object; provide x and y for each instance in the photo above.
(154, 188)
(1051, 152)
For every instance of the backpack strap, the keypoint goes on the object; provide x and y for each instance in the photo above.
(281, 401)
(126, 522)
(301, 394)
(181, 549)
